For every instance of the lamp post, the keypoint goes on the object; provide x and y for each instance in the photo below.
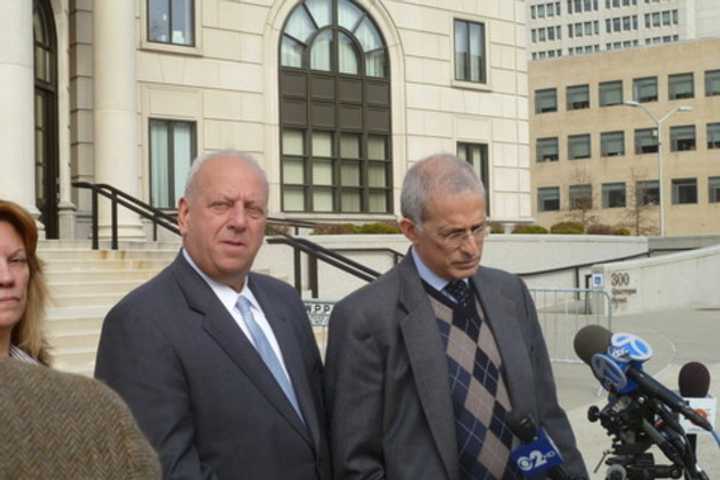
(658, 124)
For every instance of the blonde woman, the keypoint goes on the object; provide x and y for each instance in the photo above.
(23, 291)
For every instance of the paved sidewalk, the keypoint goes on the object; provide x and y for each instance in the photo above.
(677, 337)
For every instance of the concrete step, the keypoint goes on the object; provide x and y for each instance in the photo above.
(138, 276)
(118, 287)
(82, 299)
(74, 358)
(77, 339)
(50, 255)
(65, 265)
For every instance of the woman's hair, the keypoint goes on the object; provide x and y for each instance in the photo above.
(29, 333)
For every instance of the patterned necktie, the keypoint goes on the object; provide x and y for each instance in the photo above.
(459, 291)
(266, 352)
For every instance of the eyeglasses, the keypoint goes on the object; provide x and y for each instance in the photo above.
(455, 238)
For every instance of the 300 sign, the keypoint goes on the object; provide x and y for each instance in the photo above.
(619, 279)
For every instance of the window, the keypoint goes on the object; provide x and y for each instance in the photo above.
(645, 89)
(675, 17)
(684, 190)
(546, 100)
(616, 24)
(712, 83)
(548, 199)
(551, 33)
(627, 23)
(533, 35)
(541, 11)
(714, 189)
(172, 149)
(588, 28)
(647, 20)
(532, 11)
(682, 138)
(613, 195)
(578, 97)
(541, 36)
(612, 144)
(335, 131)
(578, 30)
(578, 146)
(476, 154)
(580, 197)
(171, 21)
(646, 140)
(611, 93)
(713, 135)
(570, 30)
(681, 86)
(666, 17)
(656, 19)
(470, 55)
(647, 192)
(547, 150)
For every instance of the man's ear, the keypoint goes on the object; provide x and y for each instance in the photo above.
(408, 228)
(183, 215)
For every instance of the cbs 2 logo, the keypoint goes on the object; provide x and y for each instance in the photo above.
(535, 459)
(619, 279)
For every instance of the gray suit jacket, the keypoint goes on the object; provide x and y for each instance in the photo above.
(387, 385)
(199, 390)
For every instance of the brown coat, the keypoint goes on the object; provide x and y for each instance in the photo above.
(57, 425)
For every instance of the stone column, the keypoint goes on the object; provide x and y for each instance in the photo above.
(17, 83)
(116, 134)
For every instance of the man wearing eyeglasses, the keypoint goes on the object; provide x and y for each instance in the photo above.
(425, 364)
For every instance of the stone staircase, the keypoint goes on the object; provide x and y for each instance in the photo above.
(84, 284)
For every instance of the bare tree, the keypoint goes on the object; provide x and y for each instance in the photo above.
(640, 214)
(582, 209)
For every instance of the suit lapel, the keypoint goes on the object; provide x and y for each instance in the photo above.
(292, 357)
(221, 327)
(429, 363)
(502, 315)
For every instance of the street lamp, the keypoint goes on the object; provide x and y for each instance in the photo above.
(658, 124)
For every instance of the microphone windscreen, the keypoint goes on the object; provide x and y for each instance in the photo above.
(694, 380)
(591, 339)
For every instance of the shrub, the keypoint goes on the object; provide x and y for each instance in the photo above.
(277, 229)
(334, 229)
(377, 227)
(568, 228)
(600, 229)
(529, 229)
(497, 227)
(623, 231)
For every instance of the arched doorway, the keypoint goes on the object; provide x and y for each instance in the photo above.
(335, 111)
(46, 116)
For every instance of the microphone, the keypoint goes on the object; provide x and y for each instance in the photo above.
(538, 453)
(618, 365)
(694, 380)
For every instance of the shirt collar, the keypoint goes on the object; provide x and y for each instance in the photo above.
(430, 277)
(226, 294)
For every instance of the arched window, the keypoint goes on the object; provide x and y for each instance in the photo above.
(335, 132)
(46, 138)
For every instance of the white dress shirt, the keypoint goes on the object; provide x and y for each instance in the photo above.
(229, 298)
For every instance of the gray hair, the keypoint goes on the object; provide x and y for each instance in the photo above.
(197, 164)
(438, 174)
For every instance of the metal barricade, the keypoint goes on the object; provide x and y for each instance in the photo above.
(561, 312)
(564, 311)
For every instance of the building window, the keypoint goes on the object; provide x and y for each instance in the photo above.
(335, 132)
(580, 197)
(548, 199)
(682, 138)
(713, 135)
(172, 149)
(611, 93)
(476, 154)
(547, 150)
(578, 97)
(645, 89)
(171, 21)
(578, 146)
(612, 144)
(647, 192)
(684, 190)
(470, 51)
(546, 100)
(613, 195)
(714, 189)
(646, 140)
(681, 86)
(712, 83)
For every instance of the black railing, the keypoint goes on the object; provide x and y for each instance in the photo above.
(118, 197)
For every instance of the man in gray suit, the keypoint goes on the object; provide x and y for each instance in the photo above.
(219, 364)
(425, 365)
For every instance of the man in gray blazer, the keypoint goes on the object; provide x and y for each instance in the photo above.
(425, 365)
(218, 364)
